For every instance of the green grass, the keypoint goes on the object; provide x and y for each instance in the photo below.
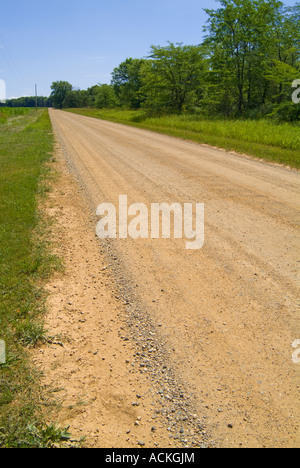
(26, 144)
(11, 112)
(265, 139)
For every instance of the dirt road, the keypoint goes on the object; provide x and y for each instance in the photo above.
(222, 318)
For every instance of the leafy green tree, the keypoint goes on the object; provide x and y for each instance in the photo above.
(76, 98)
(106, 97)
(60, 89)
(253, 54)
(126, 81)
(284, 67)
(234, 33)
(92, 93)
(173, 78)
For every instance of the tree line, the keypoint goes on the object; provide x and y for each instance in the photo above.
(28, 101)
(244, 67)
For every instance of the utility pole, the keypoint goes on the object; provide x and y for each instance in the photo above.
(36, 101)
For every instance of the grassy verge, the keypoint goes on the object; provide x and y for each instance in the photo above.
(26, 144)
(10, 112)
(272, 141)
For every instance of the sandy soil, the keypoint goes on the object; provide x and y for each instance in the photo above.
(204, 338)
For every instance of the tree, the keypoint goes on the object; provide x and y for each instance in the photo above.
(60, 89)
(126, 81)
(105, 97)
(284, 67)
(252, 47)
(92, 93)
(173, 78)
(76, 98)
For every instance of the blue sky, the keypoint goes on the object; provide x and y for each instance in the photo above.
(42, 41)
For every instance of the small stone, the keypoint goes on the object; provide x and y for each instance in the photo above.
(141, 443)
